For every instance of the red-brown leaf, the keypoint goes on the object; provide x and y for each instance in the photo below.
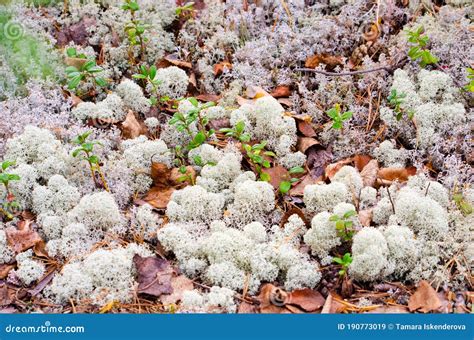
(308, 299)
(281, 91)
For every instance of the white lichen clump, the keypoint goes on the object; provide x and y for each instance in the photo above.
(28, 270)
(389, 156)
(173, 82)
(323, 197)
(103, 276)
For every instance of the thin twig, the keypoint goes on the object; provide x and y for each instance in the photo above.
(349, 73)
(390, 198)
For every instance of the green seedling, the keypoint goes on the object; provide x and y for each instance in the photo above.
(344, 261)
(148, 75)
(10, 203)
(135, 30)
(86, 151)
(395, 100)
(462, 204)
(183, 122)
(256, 155)
(418, 51)
(237, 132)
(286, 184)
(470, 76)
(88, 70)
(344, 226)
(337, 117)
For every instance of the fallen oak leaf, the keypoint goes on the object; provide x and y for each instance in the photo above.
(425, 299)
(160, 173)
(221, 67)
(154, 275)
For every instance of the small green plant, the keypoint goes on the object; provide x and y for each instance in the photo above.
(256, 154)
(418, 51)
(344, 261)
(343, 225)
(470, 76)
(86, 149)
(395, 100)
(337, 117)
(135, 30)
(237, 132)
(148, 75)
(285, 185)
(183, 122)
(88, 70)
(10, 203)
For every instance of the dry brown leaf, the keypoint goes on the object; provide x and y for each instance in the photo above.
(369, 173)
(208, 97)
(365, 217)
(7, 296)
(43, 282)
(160, 173)
(40, 249)
(333, 168)
(159, 196)
(317, 160)
(327, 305)
(154, 275)
(305, 128)
(281, 91)
(389, 175)
(21, 240)
(277, 175)
(425, 299)
(5, 269)
(285, 101)
(131, 127)
(307, 299)
(179, 284)
(360, 161)
(315, 60)
(304, 143)
(174, 60)
(298, 189)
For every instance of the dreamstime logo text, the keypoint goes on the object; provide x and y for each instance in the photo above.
(46, 328)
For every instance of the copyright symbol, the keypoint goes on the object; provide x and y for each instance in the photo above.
(390, 326)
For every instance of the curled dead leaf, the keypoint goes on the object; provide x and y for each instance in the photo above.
(360, 161)
(304, 143)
